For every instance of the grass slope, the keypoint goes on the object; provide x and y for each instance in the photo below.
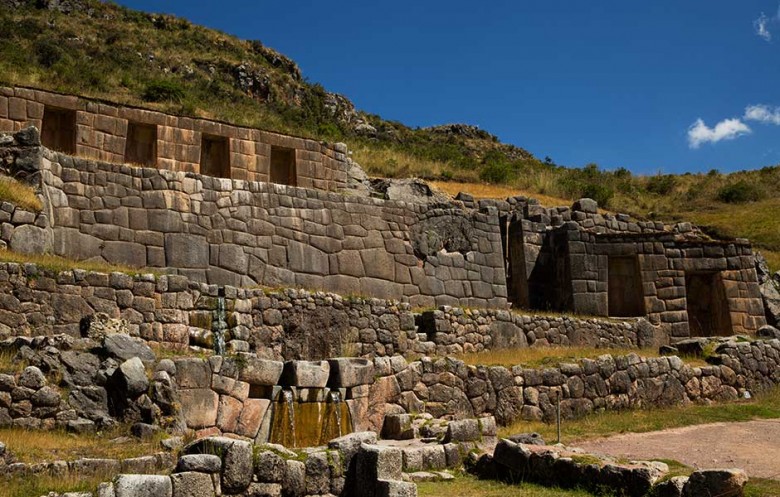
(103, 50)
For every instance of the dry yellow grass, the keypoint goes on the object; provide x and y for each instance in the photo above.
(772, 257)
(19, 194)
(487, 190)
(392, 163)
(56, 263)
(20, 486)
(551, 356)
(7, 363)
(38, 445)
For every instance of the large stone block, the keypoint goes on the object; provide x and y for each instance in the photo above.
(130, 254)
(346, 372)
(200, 407)
(192, 484)
(143, 485)
(256, 371)
(720, 482)
(29, 239)
(236, 460)
(306, 374)
(186, 251)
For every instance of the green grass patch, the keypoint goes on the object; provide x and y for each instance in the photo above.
(602, 424)
(468, 485)
(43, 484)
(32, 446)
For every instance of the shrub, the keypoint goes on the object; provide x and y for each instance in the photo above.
(739, 192)
(163, 91)
(661, 184)
(497, 171)
(48, 52)
(600, 193)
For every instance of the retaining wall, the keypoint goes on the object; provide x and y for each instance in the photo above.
(284, 324)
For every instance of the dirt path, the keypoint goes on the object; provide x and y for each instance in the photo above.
(753, 446)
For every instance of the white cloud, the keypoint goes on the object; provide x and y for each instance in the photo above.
(761, 27)
(763, 114)
(728, 129)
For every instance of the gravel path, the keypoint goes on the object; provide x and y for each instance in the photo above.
(753, 446)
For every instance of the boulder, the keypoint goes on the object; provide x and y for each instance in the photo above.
(131, 376)
(124, 347)
(306, 374)
(270, 467)
(673, 487)
(32, 377)
(768, 331)
(720, 482)
(527, 439)
(587, 205)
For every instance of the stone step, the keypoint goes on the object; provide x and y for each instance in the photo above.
(426, 476)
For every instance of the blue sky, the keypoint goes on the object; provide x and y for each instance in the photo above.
(664, 85)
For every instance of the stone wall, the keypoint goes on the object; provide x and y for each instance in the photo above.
(560, 258)
(248, 233)
(101, 134)
(449, 388)
(280, 324)
(350, 466)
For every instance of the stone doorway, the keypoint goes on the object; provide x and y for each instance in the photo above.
(708, 307)
(283, 169)
(516, 276)
(141, 144)
(58, 130)
(626, 295)
(215, 156)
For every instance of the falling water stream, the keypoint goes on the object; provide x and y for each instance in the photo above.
(219, 324)
(298, 422)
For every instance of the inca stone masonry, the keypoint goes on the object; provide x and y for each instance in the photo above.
(227, 205)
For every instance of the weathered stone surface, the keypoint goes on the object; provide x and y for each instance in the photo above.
(306, 374)
(256, 371)
(201, 463)
(131, 375)
(466, 430)
(138, 485)
(186, 251)
(350, 372)
(124, 347)
(191, 484)
(720, 482)
(32, 377)
(200, 407)
(29, 239)
(236, 458)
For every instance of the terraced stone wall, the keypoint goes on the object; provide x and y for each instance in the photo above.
(100, 132)
(448, 387)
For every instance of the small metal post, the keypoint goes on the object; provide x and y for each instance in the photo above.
(558, 415)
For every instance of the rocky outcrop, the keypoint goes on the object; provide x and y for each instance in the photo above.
(770, 290)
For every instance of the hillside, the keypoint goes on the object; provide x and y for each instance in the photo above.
(105, 51)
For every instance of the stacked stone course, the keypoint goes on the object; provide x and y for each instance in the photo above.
(288, 324)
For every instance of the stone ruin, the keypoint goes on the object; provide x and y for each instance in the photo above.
(228, 205)
(349, 266)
